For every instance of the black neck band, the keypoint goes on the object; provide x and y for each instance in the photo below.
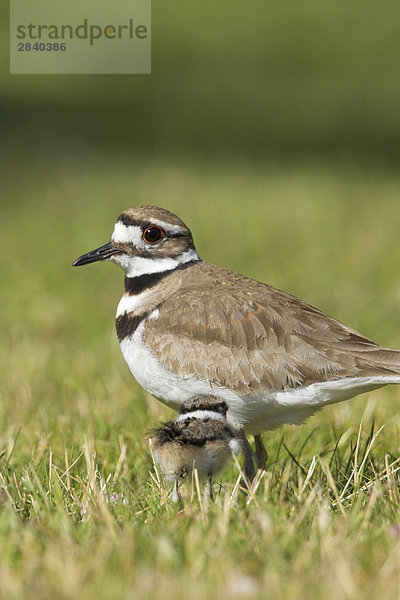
(136, 285)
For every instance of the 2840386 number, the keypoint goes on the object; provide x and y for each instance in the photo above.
(42, 47)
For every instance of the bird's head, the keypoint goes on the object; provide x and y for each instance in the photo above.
(146, 239)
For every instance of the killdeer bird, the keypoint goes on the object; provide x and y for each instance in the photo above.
(200, 438)
(187, 328)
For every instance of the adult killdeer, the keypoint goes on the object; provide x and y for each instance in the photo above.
(187, 327)
(200, 438)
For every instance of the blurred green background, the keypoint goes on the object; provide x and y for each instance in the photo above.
(255, 81)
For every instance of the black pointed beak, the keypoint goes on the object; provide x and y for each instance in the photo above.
(102, 253)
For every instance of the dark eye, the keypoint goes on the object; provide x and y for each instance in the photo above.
(151, 235)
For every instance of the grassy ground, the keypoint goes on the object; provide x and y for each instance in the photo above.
(84, 513)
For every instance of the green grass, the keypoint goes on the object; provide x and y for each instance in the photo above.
(83, 511)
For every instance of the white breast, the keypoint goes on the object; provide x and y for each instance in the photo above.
(168, 387)
(254, 413)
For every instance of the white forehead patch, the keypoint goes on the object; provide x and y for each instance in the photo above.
(131, 234)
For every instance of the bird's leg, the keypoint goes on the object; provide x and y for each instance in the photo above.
(209, 491)
(249, 457)
(261, 453)
(175, 494)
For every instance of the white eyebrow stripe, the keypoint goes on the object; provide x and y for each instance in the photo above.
(169, 227)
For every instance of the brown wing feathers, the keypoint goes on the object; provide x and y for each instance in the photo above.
(254, 336)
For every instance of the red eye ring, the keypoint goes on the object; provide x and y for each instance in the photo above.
(153, 234)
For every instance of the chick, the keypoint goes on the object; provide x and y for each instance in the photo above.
(200, 438)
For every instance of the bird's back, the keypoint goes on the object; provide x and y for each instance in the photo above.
(248, 336)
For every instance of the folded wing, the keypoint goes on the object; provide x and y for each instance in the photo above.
(254, 337)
